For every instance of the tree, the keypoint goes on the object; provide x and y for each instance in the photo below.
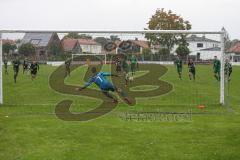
(85, 36)
(75, 35)
(182, 50)
(7, 47)
(146, 51)
(101, 40)
(164, 51)
(167, 20)
(55, 49)
(72, 35)
(114, 38)
(26, 49)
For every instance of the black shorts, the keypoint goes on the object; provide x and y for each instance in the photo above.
(16, 70)
(25, 67)
(34, 72)
(118, 68)
(192, 70)
(109, 87)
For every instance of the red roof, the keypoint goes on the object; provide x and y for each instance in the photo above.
(69, 44)
(235, 48)
(87, 42)
(4, 41)
(143, 44)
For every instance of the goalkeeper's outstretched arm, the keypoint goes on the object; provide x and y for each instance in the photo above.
(86, 85)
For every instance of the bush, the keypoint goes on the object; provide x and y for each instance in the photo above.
(182, 50)
(164, 51)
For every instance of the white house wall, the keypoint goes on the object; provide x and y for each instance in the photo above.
(207, 55)
(96, 49)
(204, 55)
(193, 45)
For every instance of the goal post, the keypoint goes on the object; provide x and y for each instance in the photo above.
(130, 33)
(222, 81)
(1, 69)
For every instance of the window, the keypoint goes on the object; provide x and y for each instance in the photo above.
(35, 41)
(199, 45)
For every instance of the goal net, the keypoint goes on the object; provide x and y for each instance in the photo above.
(183, 69)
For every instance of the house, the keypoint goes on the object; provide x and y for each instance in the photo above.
(71, 46)
(42, 42)
(201, 47)
(90, 46)
(10, 42)
(137, 46)
(234, 52)
(140, 45)
(208, 53)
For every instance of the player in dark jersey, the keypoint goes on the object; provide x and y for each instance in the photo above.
(16, 63)
(67, 67)
(125, 67)
(192, 69)
(5, 61)
(99, 78)
(25, 65)
(34, 67)
(228, 69)
(179, 66)
(118, 64)
(216, 68)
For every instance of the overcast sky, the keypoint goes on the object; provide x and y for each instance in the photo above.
(116, 14)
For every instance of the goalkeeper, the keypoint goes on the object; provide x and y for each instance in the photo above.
(99, 78)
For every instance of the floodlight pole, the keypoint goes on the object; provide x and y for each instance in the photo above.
(222, 74)
(1, 71)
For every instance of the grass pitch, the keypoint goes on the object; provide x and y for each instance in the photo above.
(30, 130)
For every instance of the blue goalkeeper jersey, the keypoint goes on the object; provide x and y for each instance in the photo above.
(101, 81)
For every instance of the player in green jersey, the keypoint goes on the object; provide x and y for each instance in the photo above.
(228, 69)
(5, 61)
(16, 63)
(179, 66)
(67, 67)
(133, 63)
(192, 69)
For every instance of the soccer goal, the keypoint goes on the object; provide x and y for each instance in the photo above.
(170, 67)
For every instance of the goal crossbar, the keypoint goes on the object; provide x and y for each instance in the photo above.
(116, 31)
